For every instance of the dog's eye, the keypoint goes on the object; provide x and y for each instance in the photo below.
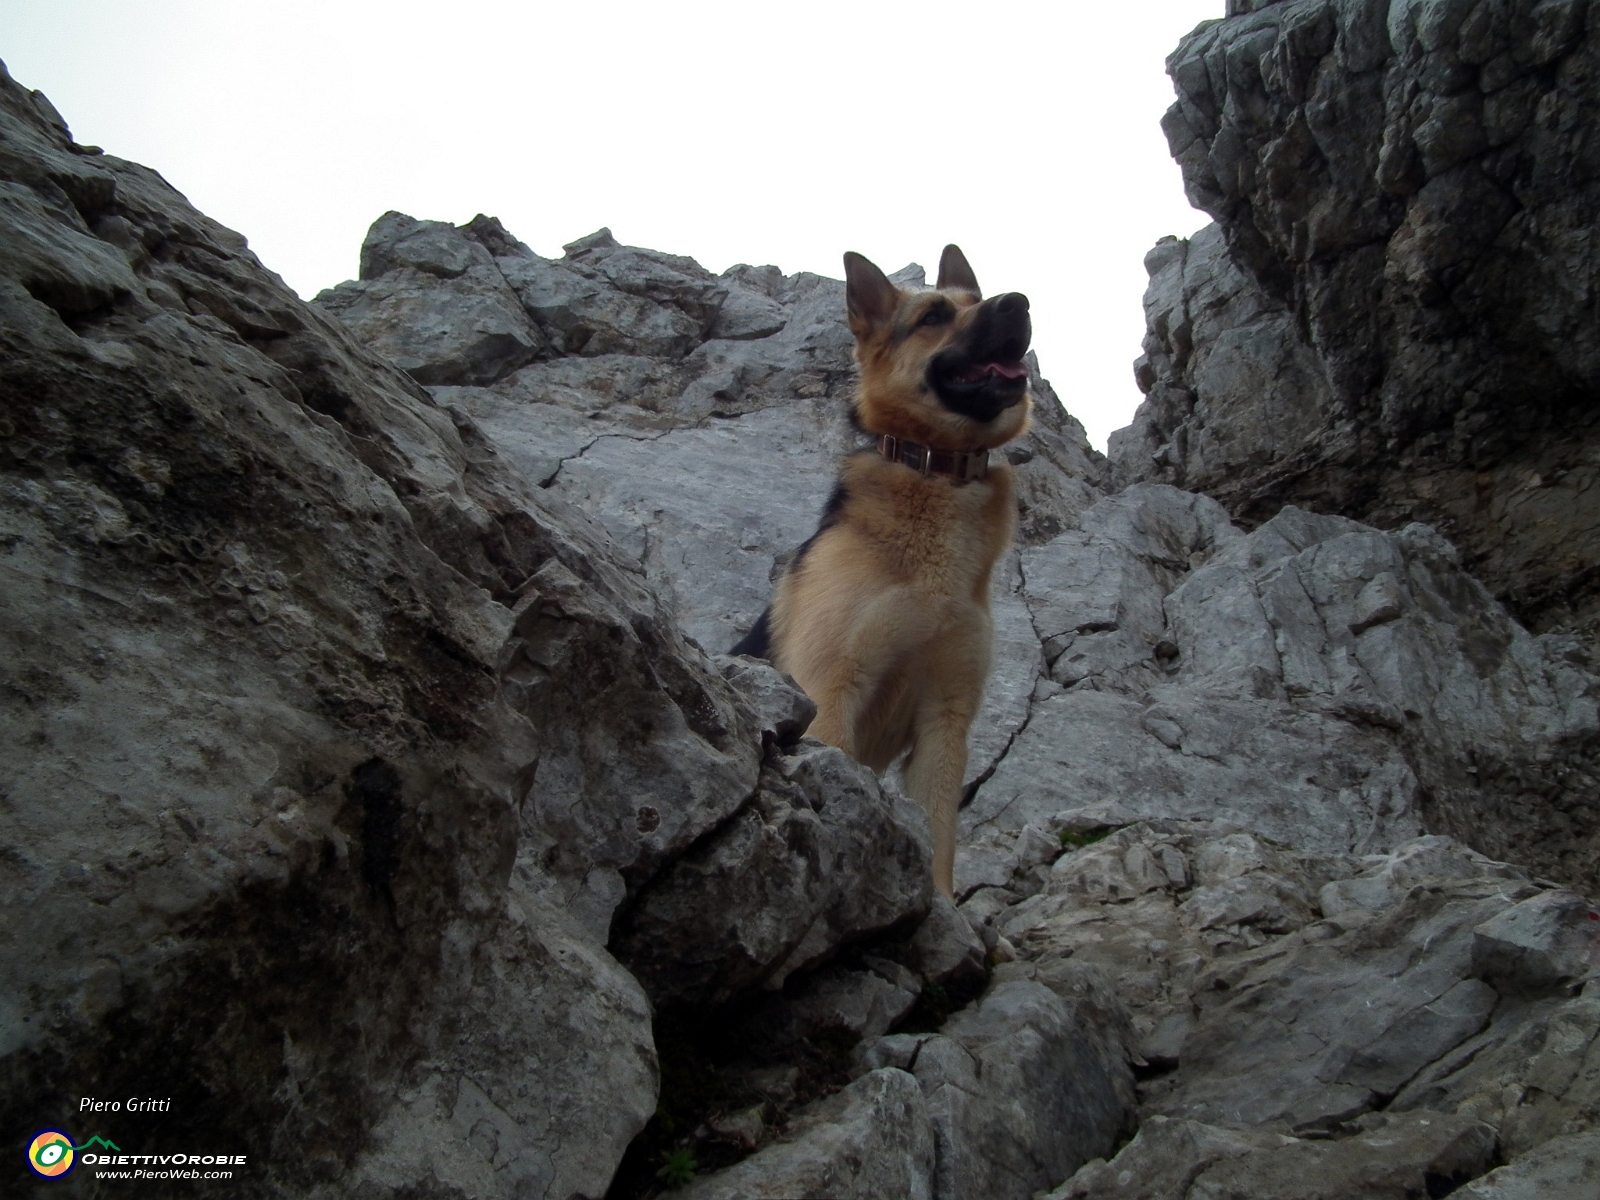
(937, 315)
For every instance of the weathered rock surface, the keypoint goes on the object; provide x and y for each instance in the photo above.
(821, 856)
(1564, 1168)
(1019, 1093)
(1392, 316)
(871, 1140)
(1023, 1086)
(435, 305)
(1382, 1031)
(328, 738)
(1394, 1160)
(699, 418)
(1317, 681)
(368, 774)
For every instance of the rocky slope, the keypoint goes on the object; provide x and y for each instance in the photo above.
(332, 741)
(373, 776)
(1393, 316)
(1271, 718)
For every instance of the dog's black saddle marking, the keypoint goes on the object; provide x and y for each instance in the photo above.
(758, 642)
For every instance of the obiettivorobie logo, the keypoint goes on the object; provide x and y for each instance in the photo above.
(52, 1154)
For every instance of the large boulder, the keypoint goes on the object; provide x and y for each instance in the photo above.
(1391, 317)
(1020, 1093)
(328, 738)
(431, 301)
(822, 855)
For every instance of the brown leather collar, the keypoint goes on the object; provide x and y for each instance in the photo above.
(961, 466)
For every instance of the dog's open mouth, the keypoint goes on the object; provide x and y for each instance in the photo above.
(979, 372)
(981, 390)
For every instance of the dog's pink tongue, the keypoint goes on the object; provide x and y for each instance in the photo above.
(1011, 370)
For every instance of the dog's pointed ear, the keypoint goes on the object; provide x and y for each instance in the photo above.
(955, 273)
(869, 296)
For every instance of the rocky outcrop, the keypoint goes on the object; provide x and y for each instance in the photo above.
(332, 742)
(872, 1139)
(819, 857)
(1322, 1026)
(1392, 317)
(372, 778)
(1410, 1156)
(1317, 681)
(1021, 1090)
(707, 454)
(1272, 717)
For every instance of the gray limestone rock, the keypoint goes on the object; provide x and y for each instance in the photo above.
(1196, 672)
(1564, 1168)
(432, 302)
(863, 1004)
(583, 312)
(1410, 1155)
(1389, 317)
(55, 260)
(1389, 877)
(1417, 1155)
(1019, 1093)
(782, 710)
(1162, 1161)
(821, 855)
(1533, 1072)
(944, 949)
(1307, 1035)
(676, 757)
(1292, 1025)
(748, 312)
(1468, 693)
(869, 1141)
(1546, 941)
(329, 738)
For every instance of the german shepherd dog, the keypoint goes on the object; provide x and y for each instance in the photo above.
(883, 616)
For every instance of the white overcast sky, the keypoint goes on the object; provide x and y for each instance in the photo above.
(733, 132)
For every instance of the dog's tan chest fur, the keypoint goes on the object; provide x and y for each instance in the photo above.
(889, 609)
(941, 536)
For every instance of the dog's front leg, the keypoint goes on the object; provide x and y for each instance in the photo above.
(853, 666)
(934, 774)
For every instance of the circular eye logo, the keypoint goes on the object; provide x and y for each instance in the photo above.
(50, 1153)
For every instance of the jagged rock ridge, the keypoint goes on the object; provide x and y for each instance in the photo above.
(1392, 317)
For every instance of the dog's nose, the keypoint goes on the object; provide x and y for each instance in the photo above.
(1011, 303)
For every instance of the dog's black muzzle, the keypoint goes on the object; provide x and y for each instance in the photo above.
(982, 374)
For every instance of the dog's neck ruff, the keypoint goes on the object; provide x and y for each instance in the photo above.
(960, 465)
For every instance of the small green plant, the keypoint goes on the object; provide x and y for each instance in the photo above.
(677, 1168)
(1077, 841)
